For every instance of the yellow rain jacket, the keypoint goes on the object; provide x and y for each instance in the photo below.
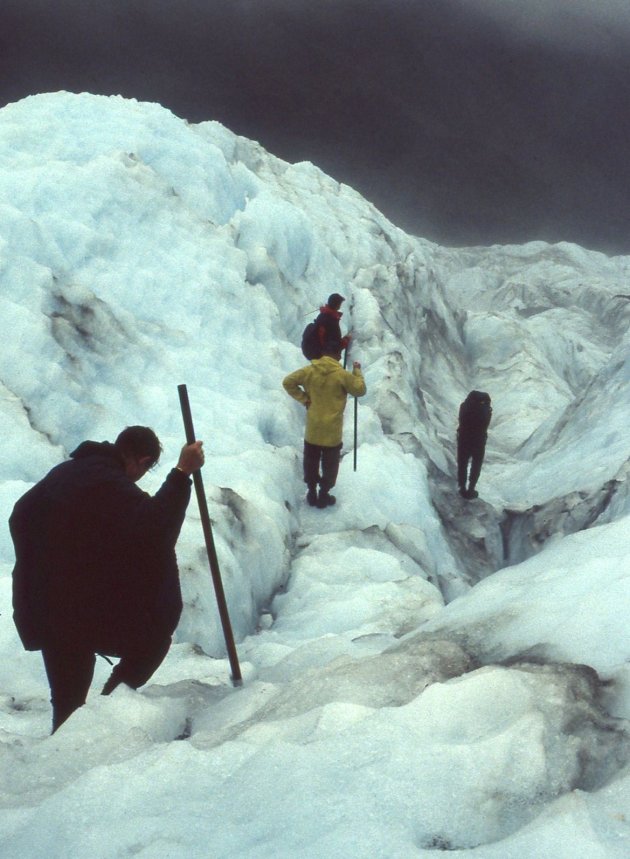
(323, 387)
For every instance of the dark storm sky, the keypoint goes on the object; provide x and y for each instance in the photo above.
(464, 121)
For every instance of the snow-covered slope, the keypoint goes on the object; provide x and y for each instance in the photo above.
(394, 704)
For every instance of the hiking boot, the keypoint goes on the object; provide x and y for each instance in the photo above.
(472, 493)
(311, 496)
(325, 500)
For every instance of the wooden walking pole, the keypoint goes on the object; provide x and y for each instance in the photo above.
(236, 678)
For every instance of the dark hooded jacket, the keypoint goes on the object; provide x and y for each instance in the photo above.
(474, 418)
(95, 555)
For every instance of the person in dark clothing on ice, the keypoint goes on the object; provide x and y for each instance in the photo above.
(95, 570)
(329, 328)
(474, 418)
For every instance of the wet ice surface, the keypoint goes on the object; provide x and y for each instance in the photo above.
(421, 674)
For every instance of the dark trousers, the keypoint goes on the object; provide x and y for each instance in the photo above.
(473, 453)
(70, 670)
(328, 457)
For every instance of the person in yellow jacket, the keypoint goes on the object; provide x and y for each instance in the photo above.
(322, 387)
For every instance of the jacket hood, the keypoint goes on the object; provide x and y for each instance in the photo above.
(478, 396)
(326, 365)
(96, 448)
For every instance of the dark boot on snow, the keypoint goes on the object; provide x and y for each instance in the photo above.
(325, 500)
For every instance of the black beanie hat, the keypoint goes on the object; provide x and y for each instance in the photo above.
(335, 300)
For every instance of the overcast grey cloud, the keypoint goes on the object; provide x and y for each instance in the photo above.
(465, 121)
(587, 25)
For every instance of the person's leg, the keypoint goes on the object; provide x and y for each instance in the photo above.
(330, 466)
(135, 668)
(312, 455)
(462, 465)
(330, 469)
(69, 671)
(475, 468)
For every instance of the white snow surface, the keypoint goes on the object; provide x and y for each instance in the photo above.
(422, 674)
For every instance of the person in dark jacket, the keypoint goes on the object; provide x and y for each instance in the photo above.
(96, 571)
(328, 326)
(472, 432)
